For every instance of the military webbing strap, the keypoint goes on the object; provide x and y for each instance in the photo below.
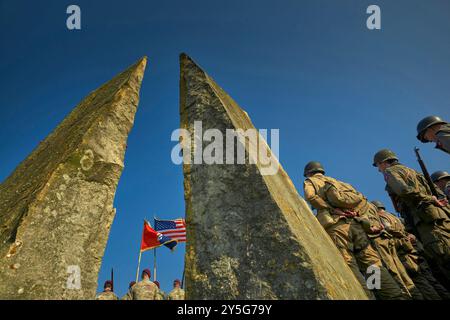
(313, 183)
(339, 185)
(423, 182)
(320, 193)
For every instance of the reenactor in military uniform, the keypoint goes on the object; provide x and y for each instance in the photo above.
(160, 295)
(177, 293)
(128, 295)
(384, 243)
(442, 180)
(107, 293)
(144, 289)
(434, 129)
(425, 215)
(342, 211)
(414, 263)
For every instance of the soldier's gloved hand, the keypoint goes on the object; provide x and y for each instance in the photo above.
(440, 202)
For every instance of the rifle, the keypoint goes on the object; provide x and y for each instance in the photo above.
(112, 279)
(426, 174)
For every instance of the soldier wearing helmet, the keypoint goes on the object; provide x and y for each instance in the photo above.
(425, 215)
(344, 213)
(442, 180)
(434, 129)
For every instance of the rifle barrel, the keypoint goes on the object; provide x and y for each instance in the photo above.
(112, 279)
(426, 174)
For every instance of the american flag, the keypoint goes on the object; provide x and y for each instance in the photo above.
(174, 229)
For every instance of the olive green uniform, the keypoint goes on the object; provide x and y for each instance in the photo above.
(160, 295)
(431, 224)
(127, 296)
(325, 194)
(107, 295)
(428, 274)
(385, 244)
(414, 263)
(446, 190)
(144, 290)
(176, 294)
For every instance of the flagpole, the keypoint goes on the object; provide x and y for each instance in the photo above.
(182, 279)
(154, 264)
(112, 279)
(154, 252)
(139, 263)
(139, 260)
(184, 268)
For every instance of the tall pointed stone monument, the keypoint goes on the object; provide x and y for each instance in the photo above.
(249, 233)
(56, 208)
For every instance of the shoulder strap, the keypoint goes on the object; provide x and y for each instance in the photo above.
(314, 184)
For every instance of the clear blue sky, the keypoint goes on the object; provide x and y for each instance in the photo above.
(337, 91)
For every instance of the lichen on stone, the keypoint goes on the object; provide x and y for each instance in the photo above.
(249, 235)
(56, 208)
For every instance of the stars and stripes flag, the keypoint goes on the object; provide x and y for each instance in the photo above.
(174, 229)
(152, 239)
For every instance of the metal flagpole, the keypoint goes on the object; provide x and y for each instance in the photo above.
(184, 268)
(182, 279)
(154, 253)
(112, 279)
(154, 264)
(139, 263)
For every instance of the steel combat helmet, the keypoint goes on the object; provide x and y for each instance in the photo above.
(378, 204)
(438, 175)
(383, 155)
(313, 167)
(424, 124)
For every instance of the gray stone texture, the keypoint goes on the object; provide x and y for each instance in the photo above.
(56, 208)
(249, 236)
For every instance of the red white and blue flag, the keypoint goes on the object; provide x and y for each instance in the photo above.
(152, 239)
(173, 229)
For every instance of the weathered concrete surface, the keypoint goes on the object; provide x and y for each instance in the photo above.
(56, 208)
(250, 236)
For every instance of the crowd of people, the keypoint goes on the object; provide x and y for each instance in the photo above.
(412, 254)
(143, 290)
